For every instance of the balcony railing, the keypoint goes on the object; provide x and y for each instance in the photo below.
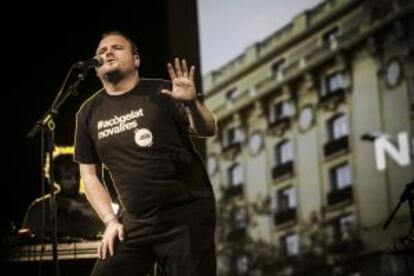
(284, 216)
(318, 52)
(335, 146)
(346, 247)
(280, 123)
(337, 95)
(340, 195)
(282, 170)
(233, 146)
(234, 191)
(237, 234)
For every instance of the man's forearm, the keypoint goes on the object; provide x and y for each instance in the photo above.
(99, 198)
(201, 119)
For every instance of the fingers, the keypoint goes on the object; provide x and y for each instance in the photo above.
(191, 75)
(184, 67)
(100, 250)
(167, 92)
(111, 246)
(103, 250)
(105, 247)
(121, 234)
(108, 244)
(171, 71)
(180, 69)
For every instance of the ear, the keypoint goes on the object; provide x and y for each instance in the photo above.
(137, 60)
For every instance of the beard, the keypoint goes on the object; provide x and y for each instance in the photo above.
(114, 77)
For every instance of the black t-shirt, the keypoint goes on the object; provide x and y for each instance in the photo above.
(142, 138)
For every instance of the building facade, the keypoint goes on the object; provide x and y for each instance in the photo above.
(294, 164)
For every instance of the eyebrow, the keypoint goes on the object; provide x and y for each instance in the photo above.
(116, 46)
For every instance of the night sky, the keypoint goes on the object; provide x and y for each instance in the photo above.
(39, 46)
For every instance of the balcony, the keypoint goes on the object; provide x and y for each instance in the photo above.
(318, 53)
(237, 234)
(284, 216)
(231, 150)
(233, 191)
(285, 169)
(334, 97)
(234, 146)
(335, 146)
(280, 124)
(291, 68)
(341, 195)
(346, 246)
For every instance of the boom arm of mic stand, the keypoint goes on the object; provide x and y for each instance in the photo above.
(46, 120)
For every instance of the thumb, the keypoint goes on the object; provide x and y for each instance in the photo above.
(167, 92)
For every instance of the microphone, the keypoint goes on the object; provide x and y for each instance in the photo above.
(93, 62)
(371, 137)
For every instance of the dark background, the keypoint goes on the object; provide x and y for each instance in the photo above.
(40, 43)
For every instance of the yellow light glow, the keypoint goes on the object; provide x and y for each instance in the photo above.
(62, 150)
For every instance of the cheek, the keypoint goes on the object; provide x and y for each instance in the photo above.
(98, 72)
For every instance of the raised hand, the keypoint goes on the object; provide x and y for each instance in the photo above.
(182, 79)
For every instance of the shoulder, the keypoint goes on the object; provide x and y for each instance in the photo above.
(155, 81)
(91, 102)
(156, 84)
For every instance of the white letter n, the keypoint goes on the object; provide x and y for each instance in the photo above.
(401, 155)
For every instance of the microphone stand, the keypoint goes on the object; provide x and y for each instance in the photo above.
(407, 195)
(47, 126)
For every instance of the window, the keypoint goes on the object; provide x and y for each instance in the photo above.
(242, 265)
(333, 83)
(234, 135)
(284, 152)
(290, 244)
(233, 94)
(330, 36)
(342, 229)
(212, 164)
(286, 199)
(278, 67)
(341, 176)
(236, 176)
(281, 110)
(231, 97)
(337, 127)
(239, 218)
(346, 227)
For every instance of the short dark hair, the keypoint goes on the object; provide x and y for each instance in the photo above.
(134, 48)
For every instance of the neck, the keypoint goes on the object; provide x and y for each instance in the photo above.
(118, 86)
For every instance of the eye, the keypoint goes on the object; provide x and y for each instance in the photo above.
(101, 51)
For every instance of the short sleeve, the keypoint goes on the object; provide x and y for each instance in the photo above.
(85, 152)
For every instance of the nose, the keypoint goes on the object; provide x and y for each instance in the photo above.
(110, 52)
